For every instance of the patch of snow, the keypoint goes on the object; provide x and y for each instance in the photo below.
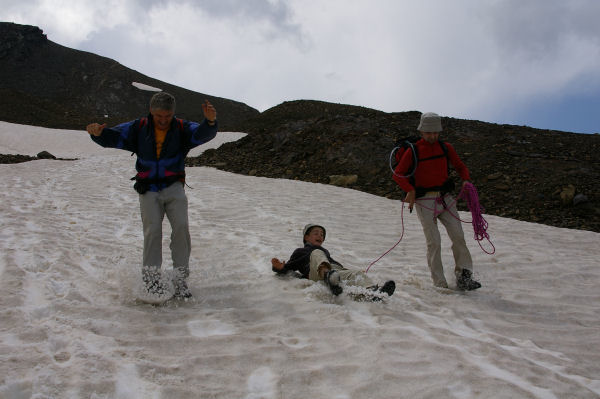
(145, 87)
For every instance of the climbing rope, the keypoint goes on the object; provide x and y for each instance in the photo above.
(480, 225)
(415, 161)
(395, 245)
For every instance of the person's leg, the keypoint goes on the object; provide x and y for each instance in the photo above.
(433, 240)
(321, 269)
(358, 278)
(462, 256)
(319, 265)
(152, 212)
(176, 207)
(354, 277)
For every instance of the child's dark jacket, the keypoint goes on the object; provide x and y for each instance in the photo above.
(300, 260)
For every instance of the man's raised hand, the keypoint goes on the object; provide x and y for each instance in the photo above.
(210, 113)
(95, 129)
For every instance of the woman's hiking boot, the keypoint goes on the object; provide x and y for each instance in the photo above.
(465, 281)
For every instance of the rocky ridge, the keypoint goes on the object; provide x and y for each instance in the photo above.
(67, 88)
(541, 176)
(535, 175)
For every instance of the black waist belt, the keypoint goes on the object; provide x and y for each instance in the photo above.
(444, 189)
(142, 185)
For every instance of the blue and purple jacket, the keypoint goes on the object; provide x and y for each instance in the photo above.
(138, 137)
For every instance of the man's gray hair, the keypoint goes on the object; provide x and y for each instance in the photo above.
(163, 101)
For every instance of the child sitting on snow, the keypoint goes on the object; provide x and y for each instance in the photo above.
(314, 262)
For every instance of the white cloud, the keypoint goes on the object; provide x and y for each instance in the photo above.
(542, 48)
(67, 22)
(464, 58)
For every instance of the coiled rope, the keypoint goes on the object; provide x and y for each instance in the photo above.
(480, 225)
(415, 161)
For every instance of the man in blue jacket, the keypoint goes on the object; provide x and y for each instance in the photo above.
(161, 143)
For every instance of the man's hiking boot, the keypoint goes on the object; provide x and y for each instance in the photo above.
(181, 289)
(333, 281)
(156, 288)
(465, 281)
(153, 284)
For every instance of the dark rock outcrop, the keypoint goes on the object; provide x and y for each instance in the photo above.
(45, 155)
(535, 175)
(520, 172)
(46, 84)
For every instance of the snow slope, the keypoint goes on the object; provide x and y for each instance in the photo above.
(71, 240)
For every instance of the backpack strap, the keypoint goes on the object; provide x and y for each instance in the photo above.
(445, 149)
(413, 168)
(182, 139)
(444, 155)
(142, 122)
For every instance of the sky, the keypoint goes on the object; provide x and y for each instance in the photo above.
(524, 62)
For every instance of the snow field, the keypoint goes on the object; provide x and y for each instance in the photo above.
(70, 327)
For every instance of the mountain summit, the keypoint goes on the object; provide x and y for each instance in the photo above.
(46, 84)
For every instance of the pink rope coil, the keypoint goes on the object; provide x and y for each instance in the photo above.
(469, 194)
(480, 225)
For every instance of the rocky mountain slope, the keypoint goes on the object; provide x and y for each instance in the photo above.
(67, 88)
(541, 176)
